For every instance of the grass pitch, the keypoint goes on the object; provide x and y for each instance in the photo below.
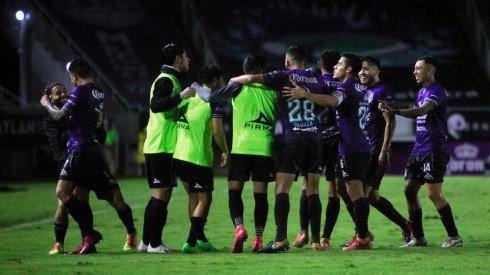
(26, 235)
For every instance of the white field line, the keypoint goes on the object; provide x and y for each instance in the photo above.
(50, 220)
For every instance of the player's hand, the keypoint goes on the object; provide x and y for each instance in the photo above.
(293, 93)
(44, 100)
(384, 159)
(385, 106)
(188, 92)
(224, 159)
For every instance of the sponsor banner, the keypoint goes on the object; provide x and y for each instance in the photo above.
(469, 123)
(469, 158)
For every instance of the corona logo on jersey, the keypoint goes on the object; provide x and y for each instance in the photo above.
(261, 123)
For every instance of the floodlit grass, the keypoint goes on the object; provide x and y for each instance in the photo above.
(26, 235)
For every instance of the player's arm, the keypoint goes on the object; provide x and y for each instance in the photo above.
(415, 112)
(222, 94)
(220, 139)
(163, 99)
(248, 79)
(298, 92)
(384, 159)
(56, 114)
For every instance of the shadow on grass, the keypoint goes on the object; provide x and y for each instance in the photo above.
(5, 189)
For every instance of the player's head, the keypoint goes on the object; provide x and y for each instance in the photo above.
(57, 94)
(425, 69)
(175, 55)
(369, 73)
(78, 69)
(348, 66)
(254, 65)
(328, 59)
(210, 75)
(295, 57)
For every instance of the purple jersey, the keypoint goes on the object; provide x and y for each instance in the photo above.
(432, 128)
(375, 120)
(351, 117)
(327, 117)
(85, 107)
(301, 118)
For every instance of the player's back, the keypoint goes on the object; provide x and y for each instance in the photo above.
(85, 106)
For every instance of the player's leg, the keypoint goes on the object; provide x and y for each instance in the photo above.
(304, 221)
(331, 214)
(413, 182)
(161, 181)
(436, 167)
(384, 206)
(263, 170)
(355, 167)
(60, 228)
(238, 173)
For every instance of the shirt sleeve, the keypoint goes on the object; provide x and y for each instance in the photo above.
(436, 95)
(222, 94)
(216, 110)
(162, 99)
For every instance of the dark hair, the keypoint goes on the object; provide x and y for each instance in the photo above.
(429, 60)
(352, 60)
(79, 67)
(297, 53)
(254, 64)
(329, 58)
(207, 73)
(49, 89)
(372, 60)
(170, 52)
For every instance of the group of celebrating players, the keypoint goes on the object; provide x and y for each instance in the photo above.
(339, 119)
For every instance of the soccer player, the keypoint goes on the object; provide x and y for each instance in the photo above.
(302, 144)
(57, 133)
(380, 128)
(430, 154)
(85, 109)
(350, 103)
(198, 121)
(251, 152)
(330, 135)
(165, 95)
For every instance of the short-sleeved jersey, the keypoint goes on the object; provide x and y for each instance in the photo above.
(254, 120)
(375, 121)
(351, 117)
(431, 134)
(195, 131)
(85, 106)
(301, 118)
(327, 117)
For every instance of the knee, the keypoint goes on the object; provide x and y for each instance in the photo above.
(373, 198)
(116, 200)
(434, 196)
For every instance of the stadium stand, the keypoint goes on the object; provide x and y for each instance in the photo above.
(121, 40)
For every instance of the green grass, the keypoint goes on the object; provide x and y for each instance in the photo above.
(26, 235)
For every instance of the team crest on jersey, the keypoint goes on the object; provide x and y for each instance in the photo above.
(261, 123)
(359, 87)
